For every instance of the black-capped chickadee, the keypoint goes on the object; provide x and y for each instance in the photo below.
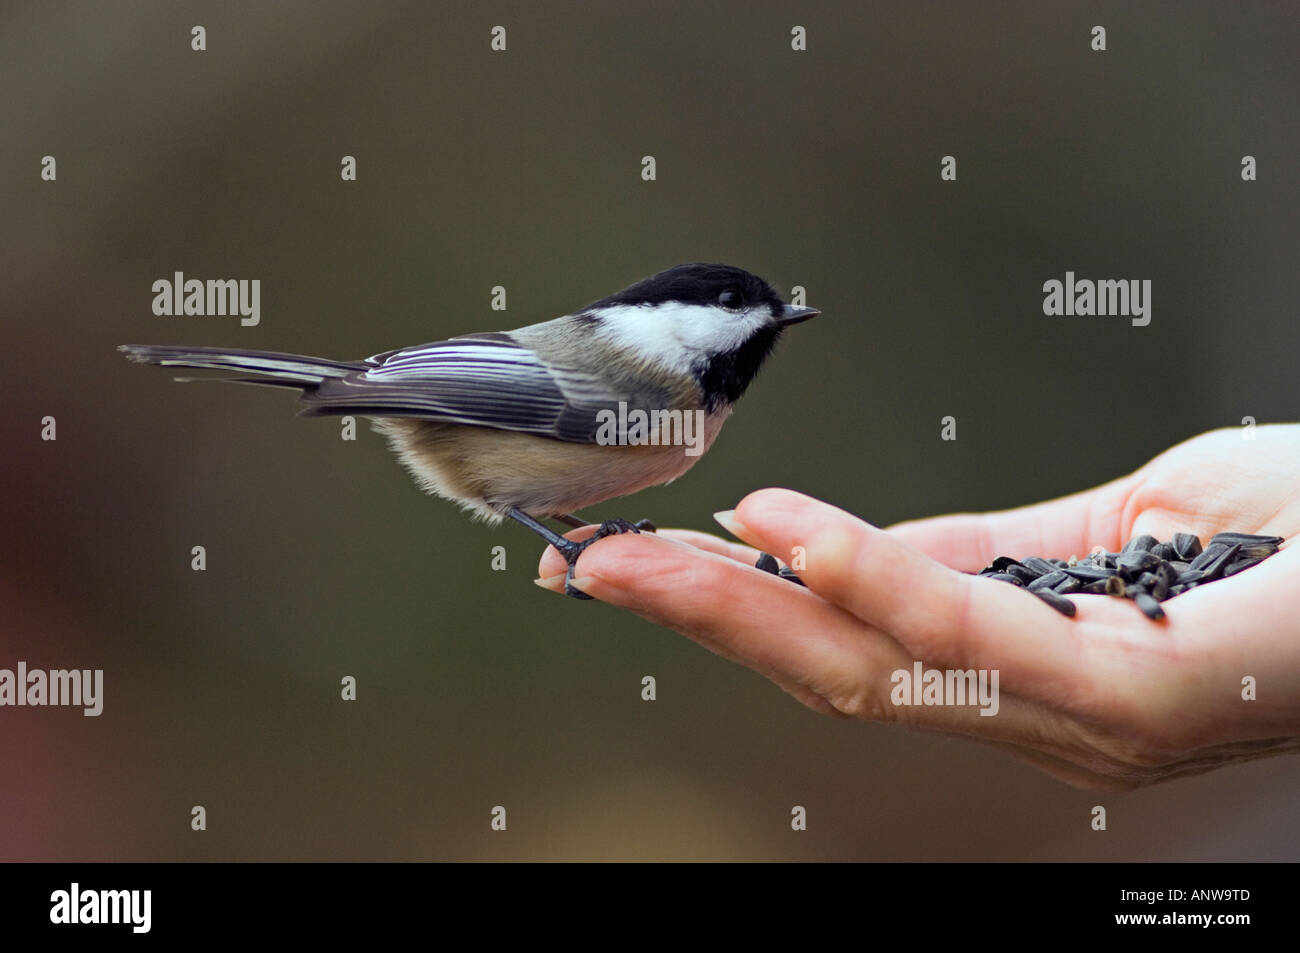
(541, 421)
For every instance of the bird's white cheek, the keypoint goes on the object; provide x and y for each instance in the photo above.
(714, 330)
(675, 335)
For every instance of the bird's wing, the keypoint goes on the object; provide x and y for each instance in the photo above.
(485, 380)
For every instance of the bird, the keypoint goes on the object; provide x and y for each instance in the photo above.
(547, 419)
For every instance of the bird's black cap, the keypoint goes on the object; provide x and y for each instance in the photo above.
(698, 283)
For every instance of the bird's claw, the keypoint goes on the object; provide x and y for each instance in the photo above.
(614, 527)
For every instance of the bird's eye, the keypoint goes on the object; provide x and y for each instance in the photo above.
(731, 299)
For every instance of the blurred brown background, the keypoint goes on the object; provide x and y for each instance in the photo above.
(522, 169)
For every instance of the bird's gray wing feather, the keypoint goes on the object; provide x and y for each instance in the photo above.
(484, 380)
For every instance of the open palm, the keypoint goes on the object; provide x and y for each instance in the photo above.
(1105, 700)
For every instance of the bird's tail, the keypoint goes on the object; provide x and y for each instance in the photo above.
(245, 367)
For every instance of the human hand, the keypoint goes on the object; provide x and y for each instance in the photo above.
(1107, 700)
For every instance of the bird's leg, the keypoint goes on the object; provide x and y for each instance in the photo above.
(577, 522)
(571, 549)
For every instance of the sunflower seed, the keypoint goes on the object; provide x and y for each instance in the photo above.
(1059, 603)
(1246, 538)
(1216, 566)
(1001, 563)
(1139, 544)
(1038, 566)
(1251, 546)
(1048, 581)
(1164, 579)
(1187, 546)
(1089, 573)
(1021, 573)
(1208, 555)
(1136, 563)
(1164, 550)
(1241, 564)
(1149, 605)
(1067, 585)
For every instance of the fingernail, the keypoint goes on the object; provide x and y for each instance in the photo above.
(727, 520)
(587, 584)
(551, 583)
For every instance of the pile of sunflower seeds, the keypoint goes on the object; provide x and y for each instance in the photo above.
(1145, 570)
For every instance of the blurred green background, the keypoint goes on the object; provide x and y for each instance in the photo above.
(522, 169)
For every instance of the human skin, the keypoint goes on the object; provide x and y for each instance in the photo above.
(1107, 700)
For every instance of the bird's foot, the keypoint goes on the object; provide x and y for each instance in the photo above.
(574, 549)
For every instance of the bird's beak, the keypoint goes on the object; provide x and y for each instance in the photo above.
(793, 315)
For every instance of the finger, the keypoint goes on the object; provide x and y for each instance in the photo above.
(714, 544)
(1071, 525)
(938, 615)
(552, 562)
(779, 629)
